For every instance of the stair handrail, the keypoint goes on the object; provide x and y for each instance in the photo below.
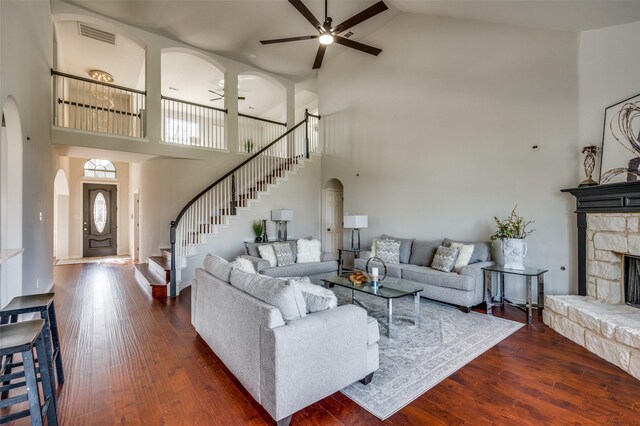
(174, 223)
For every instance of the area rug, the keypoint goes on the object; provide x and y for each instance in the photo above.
(102, 259)
(417, 359)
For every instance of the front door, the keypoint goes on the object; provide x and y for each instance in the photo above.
(100, 224)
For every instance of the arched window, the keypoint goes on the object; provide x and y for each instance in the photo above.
(96, 168)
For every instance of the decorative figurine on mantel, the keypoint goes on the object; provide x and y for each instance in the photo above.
(590, 152)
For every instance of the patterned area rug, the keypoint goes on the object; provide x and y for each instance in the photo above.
(416, 359)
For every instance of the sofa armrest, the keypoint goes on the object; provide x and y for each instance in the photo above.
(365, 254)
(310, 358)
(325, 257)
(258, 262)
(475, 271)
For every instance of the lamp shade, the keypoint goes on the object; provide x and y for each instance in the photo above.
(356, 222)
(281, 215)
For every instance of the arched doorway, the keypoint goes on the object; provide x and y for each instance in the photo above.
(61, 216)
(332, 201)
(11, 202)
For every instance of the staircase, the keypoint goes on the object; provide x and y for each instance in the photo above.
(218, 203)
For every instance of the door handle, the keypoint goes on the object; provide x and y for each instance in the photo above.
(328, 229)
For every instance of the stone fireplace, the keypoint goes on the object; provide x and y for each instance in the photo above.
(608, 218)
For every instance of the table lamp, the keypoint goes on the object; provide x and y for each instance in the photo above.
(282, 216)
(356, 222)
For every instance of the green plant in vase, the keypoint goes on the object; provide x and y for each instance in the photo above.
(258, 230)
(248, 146)
(511, 232)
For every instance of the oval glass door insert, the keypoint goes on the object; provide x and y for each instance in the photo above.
(100, 212)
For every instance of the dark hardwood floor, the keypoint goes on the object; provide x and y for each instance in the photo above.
(137, 361)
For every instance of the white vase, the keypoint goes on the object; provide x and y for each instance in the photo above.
(514, 250)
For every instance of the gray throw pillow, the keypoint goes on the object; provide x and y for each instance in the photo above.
(284, 254)
(316, 297)
(445, 258)
(481, 249)
(422, 252)
(387, 250)
(405, 246)
(218, 267)
(277, 292)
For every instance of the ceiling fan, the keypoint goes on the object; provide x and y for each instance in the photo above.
(328, 34)
(221, 96)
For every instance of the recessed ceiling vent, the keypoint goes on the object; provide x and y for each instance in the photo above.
(87, 30)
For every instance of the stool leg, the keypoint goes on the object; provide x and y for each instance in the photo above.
(46, 371)
(46, 331)
(8, 359)
(32, 388)
(56, 343)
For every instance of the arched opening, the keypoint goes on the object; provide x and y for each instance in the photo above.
(262, 114)
(11, 202)
(332, 213)
(61, 216)
(193, 100)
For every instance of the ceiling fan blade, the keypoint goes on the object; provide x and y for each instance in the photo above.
(359, 17)
(216, 93)
(358, 46)
(284, 40)
(319, 56)
(307, 14)
(215, 99)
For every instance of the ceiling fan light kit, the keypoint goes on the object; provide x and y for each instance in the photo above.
(328, 34)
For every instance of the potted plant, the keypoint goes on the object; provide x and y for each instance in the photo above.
(248, 146)
(511, 232)
(258, 230)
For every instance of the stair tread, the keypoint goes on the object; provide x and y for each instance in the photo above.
(163, 262)
(151, 277)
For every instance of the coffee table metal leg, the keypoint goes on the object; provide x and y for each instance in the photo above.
(416, 309)
(540, 295)
(389, 316)
(529, 300)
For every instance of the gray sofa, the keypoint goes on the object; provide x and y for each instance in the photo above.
(465, 289)
(284, 365)
(313, 270)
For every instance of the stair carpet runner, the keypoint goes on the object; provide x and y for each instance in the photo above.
(154, 275)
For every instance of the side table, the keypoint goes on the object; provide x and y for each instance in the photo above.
(355, 252)
(529, 274)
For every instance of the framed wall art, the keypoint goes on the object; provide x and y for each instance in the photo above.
(621, 142)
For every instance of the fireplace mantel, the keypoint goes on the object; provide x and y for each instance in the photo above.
(621, 197)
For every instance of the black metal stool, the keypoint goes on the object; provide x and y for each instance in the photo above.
(42, 303)
(21, 338)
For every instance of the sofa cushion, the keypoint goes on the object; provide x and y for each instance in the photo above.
(218, 267)
(387, 250)
(267, 253)
(280, 293)
(422, 252)
(426, 275)
(284, 254)
(464, 255)
(373, 331)
(393, 269)
(302, 269)
(405, 246)
(445, 258)
(481, 250)
(309, 251)
(316, 297)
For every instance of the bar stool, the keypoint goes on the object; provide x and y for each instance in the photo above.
(21, 337)
(42, 303)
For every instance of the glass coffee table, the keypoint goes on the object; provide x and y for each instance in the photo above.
(390, 288)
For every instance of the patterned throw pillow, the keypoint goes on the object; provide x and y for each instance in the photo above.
(387, 250)
(283, 254)
(445, 258)
(267, 253)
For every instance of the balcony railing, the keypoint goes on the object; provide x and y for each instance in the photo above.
(190, 124)
(255, 133)
(85, 104)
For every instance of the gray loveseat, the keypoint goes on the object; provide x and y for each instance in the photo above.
(284, 365)
(465, 289)
(313, 270)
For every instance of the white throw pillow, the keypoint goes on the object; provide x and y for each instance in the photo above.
(316, 297)
(464, 255)
(244, 265)
(309, 251)
(267, 253)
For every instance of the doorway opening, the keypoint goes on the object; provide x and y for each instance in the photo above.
(332, 205)
(100, 221)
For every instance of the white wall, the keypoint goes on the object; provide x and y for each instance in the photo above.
(609, 71)
(434, 137)
(25, 63)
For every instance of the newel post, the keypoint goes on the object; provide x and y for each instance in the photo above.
(172, 240)
(306, 133)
